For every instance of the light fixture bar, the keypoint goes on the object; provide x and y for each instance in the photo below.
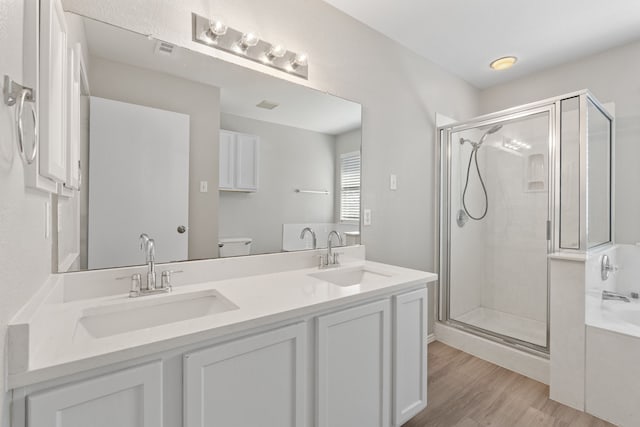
(235, 42)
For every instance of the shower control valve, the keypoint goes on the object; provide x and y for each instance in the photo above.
(606, 267)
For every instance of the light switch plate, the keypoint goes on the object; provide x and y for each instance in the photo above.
(393, 182)
(367, 217)
(204, 186)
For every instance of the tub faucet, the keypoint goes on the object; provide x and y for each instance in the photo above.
(330, 258)
(148, 245)
(313, 236)
(608, 296)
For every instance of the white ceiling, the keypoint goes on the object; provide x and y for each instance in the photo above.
(240, 88)
(464, 36)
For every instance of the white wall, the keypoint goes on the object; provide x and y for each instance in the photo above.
(113, 80)
(289, 158)
(25, 254)
(613, 77)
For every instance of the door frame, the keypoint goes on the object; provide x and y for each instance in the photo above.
(443, 212)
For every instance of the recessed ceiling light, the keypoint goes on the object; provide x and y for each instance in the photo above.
(503, 63)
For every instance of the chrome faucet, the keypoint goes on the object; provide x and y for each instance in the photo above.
(330, 258)
(313, 235)
(148, 245)
(608, 296)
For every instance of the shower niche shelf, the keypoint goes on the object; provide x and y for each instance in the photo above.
(535, 171)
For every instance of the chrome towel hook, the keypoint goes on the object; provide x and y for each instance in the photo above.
(15, 93)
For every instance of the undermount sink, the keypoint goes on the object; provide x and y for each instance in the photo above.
(351, 276)
(142, 313)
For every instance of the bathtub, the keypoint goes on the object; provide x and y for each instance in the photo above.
(612, 374)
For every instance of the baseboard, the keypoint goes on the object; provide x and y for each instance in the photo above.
(431, 338)
(523, 363)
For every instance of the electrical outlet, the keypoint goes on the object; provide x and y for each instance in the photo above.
(393, 182)
(204, 186)
(367, 217)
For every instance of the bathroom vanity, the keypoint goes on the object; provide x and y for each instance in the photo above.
(269, 340)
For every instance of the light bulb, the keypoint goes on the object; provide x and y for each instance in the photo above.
(248, 39)
(300, 60)
(217, 28)
(275, 51)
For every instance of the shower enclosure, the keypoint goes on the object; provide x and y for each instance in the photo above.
(514, 187)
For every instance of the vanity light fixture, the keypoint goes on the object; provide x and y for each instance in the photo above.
(215, 33)
(217, 28)
(503, 63)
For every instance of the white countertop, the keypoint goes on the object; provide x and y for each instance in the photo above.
(58, 346)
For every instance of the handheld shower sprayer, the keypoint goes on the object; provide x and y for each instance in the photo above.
(493, 129)
(476, 145)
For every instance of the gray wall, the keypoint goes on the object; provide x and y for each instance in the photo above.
(289, 158)
(611, 76)
(122, 82)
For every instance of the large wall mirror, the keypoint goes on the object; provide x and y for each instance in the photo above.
(208, 158)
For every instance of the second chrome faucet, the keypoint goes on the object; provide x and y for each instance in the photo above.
(330, 259)
(313, 236)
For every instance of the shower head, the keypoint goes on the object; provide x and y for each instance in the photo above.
(492, 130)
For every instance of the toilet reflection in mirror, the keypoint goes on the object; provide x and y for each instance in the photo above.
(203, 156)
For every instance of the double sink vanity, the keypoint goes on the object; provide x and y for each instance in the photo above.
(268, 340)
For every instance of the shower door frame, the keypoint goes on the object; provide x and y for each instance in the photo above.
(443, 215)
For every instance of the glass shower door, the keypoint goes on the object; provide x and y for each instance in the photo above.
(498, 225)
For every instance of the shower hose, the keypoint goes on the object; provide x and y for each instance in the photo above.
(474, 158)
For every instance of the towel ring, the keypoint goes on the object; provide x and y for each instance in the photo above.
(28, 159)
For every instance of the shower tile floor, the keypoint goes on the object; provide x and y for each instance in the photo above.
(524, 329)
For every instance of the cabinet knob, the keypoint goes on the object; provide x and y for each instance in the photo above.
(182, 229)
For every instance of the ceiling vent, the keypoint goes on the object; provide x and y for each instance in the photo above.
(164, 48)
(267, 105)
